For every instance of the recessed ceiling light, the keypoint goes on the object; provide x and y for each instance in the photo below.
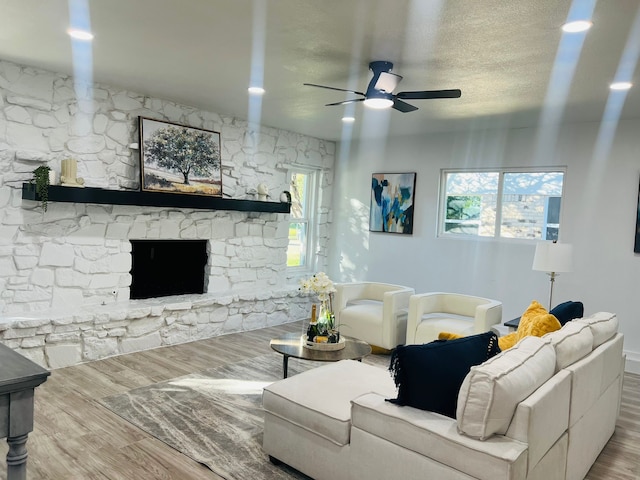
(577, 26)
(80, 34)
(348, 119)
(256, 90)
(621, 85)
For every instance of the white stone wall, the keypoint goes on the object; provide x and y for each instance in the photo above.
(74, 256)
(60, 339)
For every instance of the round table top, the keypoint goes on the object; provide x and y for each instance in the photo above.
(291, 344)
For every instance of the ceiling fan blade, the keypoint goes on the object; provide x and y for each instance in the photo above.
(403, 107)
(426, 94)
(345, 102)
(333, 88)
(387, 82)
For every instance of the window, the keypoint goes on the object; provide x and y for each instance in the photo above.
(502, 203)
(303, 186)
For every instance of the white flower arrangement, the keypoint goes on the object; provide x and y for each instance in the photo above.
(324, 327)
(319, 284)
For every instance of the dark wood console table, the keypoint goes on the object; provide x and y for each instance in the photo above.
(19, 377)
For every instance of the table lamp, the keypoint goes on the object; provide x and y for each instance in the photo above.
(553, 258)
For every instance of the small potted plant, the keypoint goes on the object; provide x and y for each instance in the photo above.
(41, 181)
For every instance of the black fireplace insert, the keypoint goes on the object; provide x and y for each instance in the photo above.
(167, 267)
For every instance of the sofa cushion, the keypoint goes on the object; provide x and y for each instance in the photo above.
(405, 433)
(567, 311)
(363, 319)
(365, 310)
(429, 376)
(491, 392)
(604, 325)
(572, 342)
(319, 400)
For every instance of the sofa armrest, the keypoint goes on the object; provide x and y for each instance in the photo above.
(436, 436)
(418, 305)
(394, 312)
(542, 418)
(487, 315)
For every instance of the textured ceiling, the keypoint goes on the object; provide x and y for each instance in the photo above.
(509, 57)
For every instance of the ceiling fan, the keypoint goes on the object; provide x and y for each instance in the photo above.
(379, 92)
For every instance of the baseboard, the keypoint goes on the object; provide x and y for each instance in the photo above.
(632, 365)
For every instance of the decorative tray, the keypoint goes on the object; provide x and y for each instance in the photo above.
(323, 346)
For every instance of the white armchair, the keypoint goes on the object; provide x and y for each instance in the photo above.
(373, 312)
(432, 313)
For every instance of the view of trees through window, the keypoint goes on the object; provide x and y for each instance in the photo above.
(301, 211)
(508, 204)
(463, 213)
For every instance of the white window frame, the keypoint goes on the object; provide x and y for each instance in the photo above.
(310, 217)
(442, 203)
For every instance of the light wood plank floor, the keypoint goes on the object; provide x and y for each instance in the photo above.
(76, 438)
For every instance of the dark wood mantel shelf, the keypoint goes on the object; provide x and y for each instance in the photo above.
(59, 193)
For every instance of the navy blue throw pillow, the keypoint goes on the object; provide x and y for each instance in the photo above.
(567, 311)
(429, 376)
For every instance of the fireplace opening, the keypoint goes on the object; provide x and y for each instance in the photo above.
(167, 267)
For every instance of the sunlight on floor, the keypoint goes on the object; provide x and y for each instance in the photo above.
(226, 385)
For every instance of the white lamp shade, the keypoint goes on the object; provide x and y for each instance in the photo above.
(553, 257)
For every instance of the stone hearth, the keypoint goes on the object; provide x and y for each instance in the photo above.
(57, 339)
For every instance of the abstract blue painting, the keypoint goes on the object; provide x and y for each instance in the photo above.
(392, 196)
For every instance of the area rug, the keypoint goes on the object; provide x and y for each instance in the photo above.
(215, 416)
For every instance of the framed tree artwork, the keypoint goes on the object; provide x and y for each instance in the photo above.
(392, 198)
(179, 159)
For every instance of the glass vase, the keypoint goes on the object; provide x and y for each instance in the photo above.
(327, 321)
(324, 314)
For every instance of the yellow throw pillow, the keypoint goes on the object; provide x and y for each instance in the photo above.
(535, 321)
(448, 336)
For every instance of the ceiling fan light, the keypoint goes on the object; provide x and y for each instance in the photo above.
(378, 103)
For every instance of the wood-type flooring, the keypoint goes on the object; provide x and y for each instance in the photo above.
(77, 438)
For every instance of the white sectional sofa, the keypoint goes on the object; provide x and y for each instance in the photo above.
(543, 409)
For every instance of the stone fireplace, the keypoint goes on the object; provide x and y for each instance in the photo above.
(66, 285)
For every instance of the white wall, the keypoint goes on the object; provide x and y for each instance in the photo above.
(598, 218)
